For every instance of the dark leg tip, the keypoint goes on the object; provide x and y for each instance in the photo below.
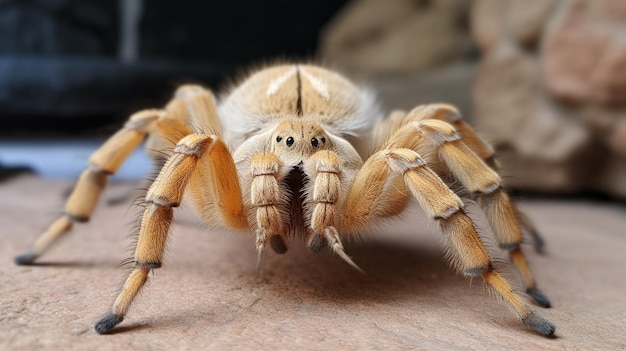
(539, 324)
(539, 297)
(107, 323)
(278, 245)
(475, 272)
(538, 242)
(316, 243)
(151, 265)
(508, 246)
(25, 259)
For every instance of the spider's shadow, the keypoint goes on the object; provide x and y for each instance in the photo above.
(69, 264)
(393, 272)
(391, 268)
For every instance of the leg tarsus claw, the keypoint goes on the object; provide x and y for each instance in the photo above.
(25, 259)
(539, 297)
(106, 324)
(539, 324)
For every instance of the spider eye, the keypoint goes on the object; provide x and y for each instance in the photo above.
(323, 140)
(278, 139)
(314, 142)
(289, 141)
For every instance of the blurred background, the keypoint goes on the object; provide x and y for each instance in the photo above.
(543, 80)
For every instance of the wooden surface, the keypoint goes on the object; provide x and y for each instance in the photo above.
(209, 295)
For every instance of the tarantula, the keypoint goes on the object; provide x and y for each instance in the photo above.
(298, 151)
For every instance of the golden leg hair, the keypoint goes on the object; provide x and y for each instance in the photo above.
(268, 197)
(467, 252)
(192, 105)
(375, 193)
(486, 184)
(200, 108)
(435, 136)
(166, 193)
(450, 114)
(503, 218)
(324, 170)
(84, 197)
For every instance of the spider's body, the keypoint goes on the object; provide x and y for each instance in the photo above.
(299, 151)
(295, 111)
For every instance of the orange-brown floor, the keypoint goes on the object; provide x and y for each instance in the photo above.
(209, 295)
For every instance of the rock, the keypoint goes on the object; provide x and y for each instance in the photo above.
(450, 84)
(617, 138)
(607, 124)
(541, 176)
(492, 20)
(525, 23)
(370, 37)
(486, 23)
(611, 178)
(584, 50)
(541, 143)
(548, 95)
(504, 92)
(511, 108)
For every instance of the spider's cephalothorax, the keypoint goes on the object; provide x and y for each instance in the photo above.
(297, 151)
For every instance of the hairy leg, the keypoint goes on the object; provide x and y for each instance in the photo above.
(324, 168)
(193, 107)
(269, 198)
(102, 163)
(440, 140)
(483, 181)
(451, 115)
(440, 203)
(166, 193)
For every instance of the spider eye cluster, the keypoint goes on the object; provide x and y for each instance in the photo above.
(315, 142)
(290, 140)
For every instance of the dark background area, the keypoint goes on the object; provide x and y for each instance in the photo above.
(76, 66)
